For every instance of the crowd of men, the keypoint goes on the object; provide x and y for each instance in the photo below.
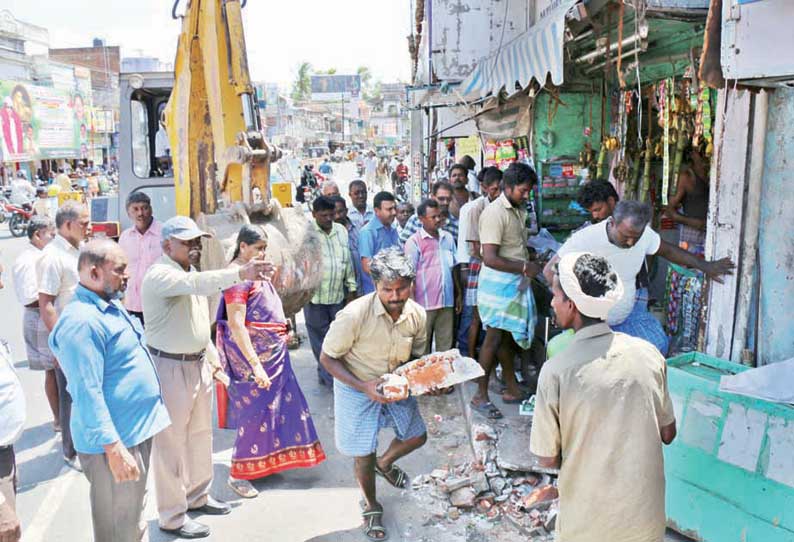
(123, 334)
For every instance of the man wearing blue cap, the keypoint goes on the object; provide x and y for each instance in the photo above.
(177, 319)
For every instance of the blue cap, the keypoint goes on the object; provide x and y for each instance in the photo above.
(182, 228)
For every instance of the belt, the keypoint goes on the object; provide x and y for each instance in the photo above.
(34, 305)
(198, 356)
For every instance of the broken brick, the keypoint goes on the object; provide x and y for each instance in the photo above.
(462, 498)
(541, 495)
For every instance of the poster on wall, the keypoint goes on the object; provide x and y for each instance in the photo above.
(38, 123)
(467, 146)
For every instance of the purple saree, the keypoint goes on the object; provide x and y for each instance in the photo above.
(275, 431)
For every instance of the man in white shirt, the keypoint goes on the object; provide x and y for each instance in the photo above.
(22, 190)
(58, 278)
(370, 169)
(625, 239)
(12, 421)
(41, 230)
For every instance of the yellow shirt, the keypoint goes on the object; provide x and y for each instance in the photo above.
(175, 305)
(601, 404)
(63, 180)
(504, 225)
(371, 344)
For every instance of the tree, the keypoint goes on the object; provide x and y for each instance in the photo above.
(329, 71)
(370, 89)
(302, 86)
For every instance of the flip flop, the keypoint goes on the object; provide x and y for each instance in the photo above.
(370, 527)
(515, 400)
(400, 479)
(243, 488)
(488, 410)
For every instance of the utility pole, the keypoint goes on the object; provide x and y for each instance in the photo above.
(343, 120)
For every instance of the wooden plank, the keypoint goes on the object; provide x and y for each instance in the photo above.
(726, 204)
(775, 247)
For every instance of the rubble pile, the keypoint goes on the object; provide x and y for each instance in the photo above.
(488, 491)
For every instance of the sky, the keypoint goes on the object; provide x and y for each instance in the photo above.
(341, 34)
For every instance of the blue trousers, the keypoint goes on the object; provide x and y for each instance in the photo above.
(318, 320)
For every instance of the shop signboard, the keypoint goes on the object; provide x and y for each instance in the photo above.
(41, 123)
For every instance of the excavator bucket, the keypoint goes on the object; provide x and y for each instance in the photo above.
(221, 160)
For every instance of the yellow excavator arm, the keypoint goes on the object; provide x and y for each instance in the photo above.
(217, 144)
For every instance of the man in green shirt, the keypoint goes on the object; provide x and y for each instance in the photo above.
(338, 276)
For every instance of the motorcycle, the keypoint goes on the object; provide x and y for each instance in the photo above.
(19, 217)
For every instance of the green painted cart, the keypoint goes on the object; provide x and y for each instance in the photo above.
(730, 471)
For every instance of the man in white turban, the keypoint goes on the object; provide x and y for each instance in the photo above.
(602, 412)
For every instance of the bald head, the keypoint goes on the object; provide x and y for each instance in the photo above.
(103, 269)
(330, 189)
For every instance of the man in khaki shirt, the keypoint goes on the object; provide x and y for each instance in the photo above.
(602, 413)
(177, 319)
(504, 293)
(371, 337)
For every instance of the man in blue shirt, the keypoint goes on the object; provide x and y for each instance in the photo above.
(377, 235)
(117, 402)
(325, 168)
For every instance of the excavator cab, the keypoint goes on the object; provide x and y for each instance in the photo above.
(141, 139)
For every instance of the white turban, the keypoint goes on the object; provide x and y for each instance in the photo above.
(594, 307)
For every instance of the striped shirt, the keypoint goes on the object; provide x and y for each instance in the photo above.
(413, 225)
(433, 259)
(337, 266)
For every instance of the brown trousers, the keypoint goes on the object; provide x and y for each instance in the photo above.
(182, 454)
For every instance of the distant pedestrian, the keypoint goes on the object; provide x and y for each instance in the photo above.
(141, 243)
(432, 253)
(177, 318)
(378, 235)
(360, 214)
(41, 231)
(338, 283)
(12, 422)
(118, 407)
(330, 189)
(602, 412)
(57, 279)
(41, 205)
(63, 181)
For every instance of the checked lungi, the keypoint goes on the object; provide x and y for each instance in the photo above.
(358, 420)
(642, 324)
(40, 357)
(503, 306)
(472, 283)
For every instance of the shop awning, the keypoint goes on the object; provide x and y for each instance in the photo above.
(532, 55)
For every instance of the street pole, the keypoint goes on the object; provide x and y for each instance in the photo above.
(343, 120)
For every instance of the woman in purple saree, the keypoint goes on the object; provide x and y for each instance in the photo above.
(275, 431)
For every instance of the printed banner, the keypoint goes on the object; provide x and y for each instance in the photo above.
(42, 122)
